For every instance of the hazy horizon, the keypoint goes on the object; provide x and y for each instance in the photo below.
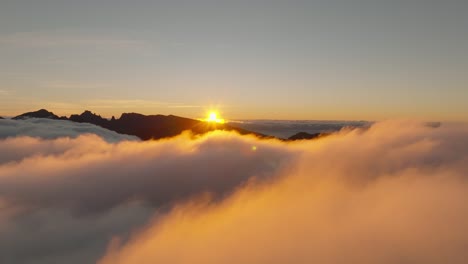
(202, 115)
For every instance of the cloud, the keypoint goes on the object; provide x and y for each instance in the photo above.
(395, 193)
(158, 172)
(84, 190)
(52, 129)
(392, 193)
(50, 236)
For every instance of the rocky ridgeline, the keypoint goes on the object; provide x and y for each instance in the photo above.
(143, 126)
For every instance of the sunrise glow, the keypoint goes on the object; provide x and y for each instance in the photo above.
(213, 118)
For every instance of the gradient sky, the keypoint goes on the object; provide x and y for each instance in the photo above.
(251, 59)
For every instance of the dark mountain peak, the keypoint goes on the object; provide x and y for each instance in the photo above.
(42, 113)
(305, 135)
(130, 116)
(87, 113)
(89, 117)
(137, 115)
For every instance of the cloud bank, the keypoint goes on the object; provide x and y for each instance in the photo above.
(62, 200)
(52, 129)
(393, 193)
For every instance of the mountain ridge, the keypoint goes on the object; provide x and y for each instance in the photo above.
(146, 127)
(307, 136)
(42, 113)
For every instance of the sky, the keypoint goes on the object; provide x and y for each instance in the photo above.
(256, 59)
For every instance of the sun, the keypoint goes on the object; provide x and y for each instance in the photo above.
(213, 118)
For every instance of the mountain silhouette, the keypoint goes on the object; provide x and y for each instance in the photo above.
(305, 135)
(37, 114)
(145, 127)
(148, 127)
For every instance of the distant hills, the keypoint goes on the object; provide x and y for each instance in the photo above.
(39, 114)
(305, 135)
(145, 127)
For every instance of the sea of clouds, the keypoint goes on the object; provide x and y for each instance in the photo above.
(396, 192)
(52, 129)
(287, 128)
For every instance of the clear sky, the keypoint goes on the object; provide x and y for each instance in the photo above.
(289, 59)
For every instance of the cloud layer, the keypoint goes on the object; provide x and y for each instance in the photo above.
(85, 190)
(52, 129)
(393, 193)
